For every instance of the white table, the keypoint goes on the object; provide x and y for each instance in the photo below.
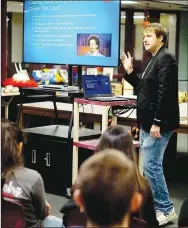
(6, 99)
(94, 109)
(90, 144)
(46, 109)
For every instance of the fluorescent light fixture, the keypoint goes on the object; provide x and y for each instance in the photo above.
(136, 17)
(129, 2)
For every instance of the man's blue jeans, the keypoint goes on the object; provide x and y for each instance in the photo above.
(153, 151)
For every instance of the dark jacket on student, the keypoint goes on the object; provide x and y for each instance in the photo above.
(157, 92)
(147, 211)
(183, 216)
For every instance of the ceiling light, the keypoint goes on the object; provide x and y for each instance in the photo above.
(21, 4)
(129, 2)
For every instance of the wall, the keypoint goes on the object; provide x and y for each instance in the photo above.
(182, 142)
(3, 41)
(168, 20)
(183, 48)
(17, 33)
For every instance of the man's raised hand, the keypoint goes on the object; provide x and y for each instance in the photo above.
(127, 62)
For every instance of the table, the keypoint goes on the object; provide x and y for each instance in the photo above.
(39, 94)
(93, 114)
(6, 99)
(183, 118)
(64, 112)
(90, 144)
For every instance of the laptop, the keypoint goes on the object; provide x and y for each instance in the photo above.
(98, 88)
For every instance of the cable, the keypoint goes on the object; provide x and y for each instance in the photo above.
(120, 110)
(130, 112)
(81, 105)
(85, 119)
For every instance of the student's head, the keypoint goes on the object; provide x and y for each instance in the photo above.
(11, 146)
(93, 43)
(117, 137)
(154, 36)
(106, 188)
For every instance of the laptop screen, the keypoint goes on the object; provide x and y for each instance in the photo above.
(96, 85)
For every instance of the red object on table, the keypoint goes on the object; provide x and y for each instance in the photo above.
(29, 83)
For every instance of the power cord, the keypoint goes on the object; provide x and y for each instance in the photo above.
(120, 110)
(85, 121)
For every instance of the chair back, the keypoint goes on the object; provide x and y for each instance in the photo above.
(138, 223)
(12, 214)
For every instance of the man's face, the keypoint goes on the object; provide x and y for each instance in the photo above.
(93, 46)
(151, 42)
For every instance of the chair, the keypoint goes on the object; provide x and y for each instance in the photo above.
(12, 214)
(72, 215)
(35, 94)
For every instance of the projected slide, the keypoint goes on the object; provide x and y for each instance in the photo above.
(72, 32)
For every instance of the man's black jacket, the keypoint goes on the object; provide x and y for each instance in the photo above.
(157, 92)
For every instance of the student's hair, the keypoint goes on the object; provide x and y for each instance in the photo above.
(159, 31)
(117, 137)
(97, 41)
(107, 184)
(11, 136)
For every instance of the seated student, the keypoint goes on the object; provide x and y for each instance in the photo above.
(119, 138)
(106, 189)
(183, 216)
(23, 185)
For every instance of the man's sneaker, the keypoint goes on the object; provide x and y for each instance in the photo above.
(163, 219)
